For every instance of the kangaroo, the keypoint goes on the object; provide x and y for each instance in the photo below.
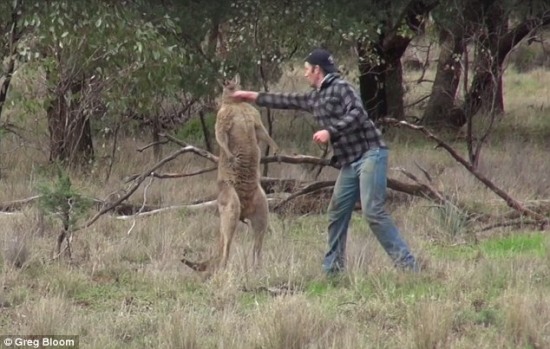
(238, 130)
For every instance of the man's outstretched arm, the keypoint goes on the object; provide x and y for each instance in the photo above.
(299, 101)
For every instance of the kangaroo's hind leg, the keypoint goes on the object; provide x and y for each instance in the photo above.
(229, 208)
(259, 222)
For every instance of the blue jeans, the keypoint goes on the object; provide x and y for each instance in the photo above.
(367, 178)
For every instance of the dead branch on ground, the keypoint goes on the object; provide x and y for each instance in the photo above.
(311, 188)
(295, 187)
(511, 202)
(515, 223)
(134, 187)
(17, 205)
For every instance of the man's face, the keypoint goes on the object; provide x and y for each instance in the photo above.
(313, 74)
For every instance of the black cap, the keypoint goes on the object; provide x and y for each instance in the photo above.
(322, 58)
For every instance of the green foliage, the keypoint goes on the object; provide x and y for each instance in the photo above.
(60, 199)
(483, 317)
(192, 131)
(258, 37)
(126, 61)
(528, 57)
(451, 219)
(531, 244)
(501, 247)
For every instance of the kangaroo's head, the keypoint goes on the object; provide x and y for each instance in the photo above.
(230, 86)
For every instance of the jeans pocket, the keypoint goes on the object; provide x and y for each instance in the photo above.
(367, 162)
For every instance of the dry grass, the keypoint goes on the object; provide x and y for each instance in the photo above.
(125, 286)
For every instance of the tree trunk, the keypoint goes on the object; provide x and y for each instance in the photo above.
(70, 130)
(486, 91)
(372, 86)
(394, 90)
(205, 132)
(14, 36)
(156, 129)
(440, 105)
(381, 81)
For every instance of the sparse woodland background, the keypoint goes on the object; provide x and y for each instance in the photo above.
(107, 174)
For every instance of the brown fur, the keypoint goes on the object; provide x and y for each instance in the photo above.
(240, 196)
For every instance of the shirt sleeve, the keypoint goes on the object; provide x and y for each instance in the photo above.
(299, 101)
(354, 113)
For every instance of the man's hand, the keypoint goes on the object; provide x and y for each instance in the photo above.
(321, 137)
(248, 96)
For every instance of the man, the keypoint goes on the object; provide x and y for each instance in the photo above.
(358, 149)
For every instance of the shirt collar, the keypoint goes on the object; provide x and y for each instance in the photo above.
(327, 80)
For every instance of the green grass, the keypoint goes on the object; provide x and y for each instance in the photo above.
(518, 244)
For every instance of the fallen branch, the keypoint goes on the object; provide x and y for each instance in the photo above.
(198, 151)
(142, 204)
(314, 187)
(208, 204)
(297, 159)
(17, 205)
(132, 189)
(189, 207)
(411, 189)
(435, 194)
(174, 175)
(280, 185)
(511, 202)
(515, 223)
(151, 145)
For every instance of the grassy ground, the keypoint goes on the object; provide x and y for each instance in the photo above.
(125, 287)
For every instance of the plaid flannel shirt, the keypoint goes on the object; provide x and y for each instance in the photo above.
(337, 108)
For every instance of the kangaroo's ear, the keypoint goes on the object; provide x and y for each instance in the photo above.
(237, 80)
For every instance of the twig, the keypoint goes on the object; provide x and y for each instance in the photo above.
(424, 171)
(434, 194)
(193, 149)
(175, 175)
(113, 152)
(307, 190)
(202, 205)
(59, 253)
(150, 145)
(417, 101)
(142, 205)
(190, 207)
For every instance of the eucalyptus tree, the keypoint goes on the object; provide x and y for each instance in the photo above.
(380, 32)
(454, 23)
(493, 29)
(101, 59)
(504, 26)
(10, 33)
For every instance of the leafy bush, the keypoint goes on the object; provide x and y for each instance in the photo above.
(192, 132)
(61, 200)
(530, 56)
